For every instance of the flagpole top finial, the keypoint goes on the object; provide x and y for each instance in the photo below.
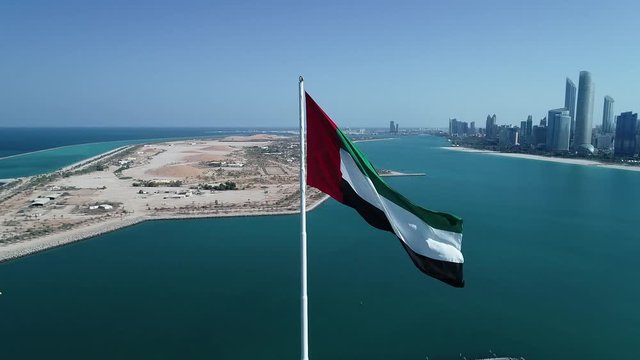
(301, 79)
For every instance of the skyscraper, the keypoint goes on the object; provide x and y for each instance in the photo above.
(584, 111)
(392, 126)
(558, 130)
(491, 129)
(570, 103)
(626, 142)
(529, 131)
(539, 136)
(607, 115)
(458, 128)
(507, 136)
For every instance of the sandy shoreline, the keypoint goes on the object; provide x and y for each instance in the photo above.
(19, 249)
(583, 162)
(370, 140)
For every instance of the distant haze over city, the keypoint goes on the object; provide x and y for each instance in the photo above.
(149, 63)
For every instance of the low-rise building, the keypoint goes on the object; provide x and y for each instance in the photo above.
(39, 202)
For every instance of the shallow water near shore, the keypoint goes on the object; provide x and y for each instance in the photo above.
(550, 269)
(33, 151)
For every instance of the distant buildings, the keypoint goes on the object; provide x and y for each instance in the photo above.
(607, 115)
(392, 127)
(558, 130)
(626, 141)
(526, 131)
(604, 141)
(508, 136)
(458, 128)
(529, 131)
(491, 128)
(567, 129)
(570, 103)
(584, 111)
(539, 136)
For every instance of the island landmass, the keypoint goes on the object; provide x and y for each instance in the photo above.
(235, 176)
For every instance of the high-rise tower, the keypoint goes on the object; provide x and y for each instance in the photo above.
(559, 123)
(491, 130)
(584, 110)
(607, 115)
(570, 103)
(626, 142)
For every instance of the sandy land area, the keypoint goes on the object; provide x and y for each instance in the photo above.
(547, 158)
(23, 248)
(172, 180)
(257, 137)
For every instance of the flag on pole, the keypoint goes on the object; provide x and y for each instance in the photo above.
(336, 167)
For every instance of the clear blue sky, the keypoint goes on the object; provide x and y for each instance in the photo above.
(236, 63)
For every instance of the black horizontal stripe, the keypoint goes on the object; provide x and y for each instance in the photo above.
(371, 214)
(448, 272)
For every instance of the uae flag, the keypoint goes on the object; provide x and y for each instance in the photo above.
(336, 167)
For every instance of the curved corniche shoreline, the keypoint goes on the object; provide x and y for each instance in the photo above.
(24, 248)
(583, 162)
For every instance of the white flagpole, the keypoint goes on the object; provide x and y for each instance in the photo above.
(303, 227)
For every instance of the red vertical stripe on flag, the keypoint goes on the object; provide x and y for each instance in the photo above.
(323, 151)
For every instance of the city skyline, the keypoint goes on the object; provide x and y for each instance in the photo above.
(589, 106)
(197, 64)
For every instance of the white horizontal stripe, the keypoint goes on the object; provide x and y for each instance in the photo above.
(360, 183)
(418, 235)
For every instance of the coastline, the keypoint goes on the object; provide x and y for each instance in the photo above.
(129, 143)
(62, 147)
(370, 140)
(105, 186)
(17, 250)
(583, 162)
(210, 135)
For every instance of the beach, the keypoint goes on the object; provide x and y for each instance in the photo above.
(583, 162)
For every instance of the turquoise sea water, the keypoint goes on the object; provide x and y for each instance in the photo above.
(44, 161)
(32, 151)
(550, 270)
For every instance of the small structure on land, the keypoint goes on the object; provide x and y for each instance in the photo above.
(39, 202)
(51, 196)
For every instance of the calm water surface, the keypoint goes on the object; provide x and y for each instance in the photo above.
(33, 151)
(550, 269)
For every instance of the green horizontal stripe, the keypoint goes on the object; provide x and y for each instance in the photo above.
(435, 219)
